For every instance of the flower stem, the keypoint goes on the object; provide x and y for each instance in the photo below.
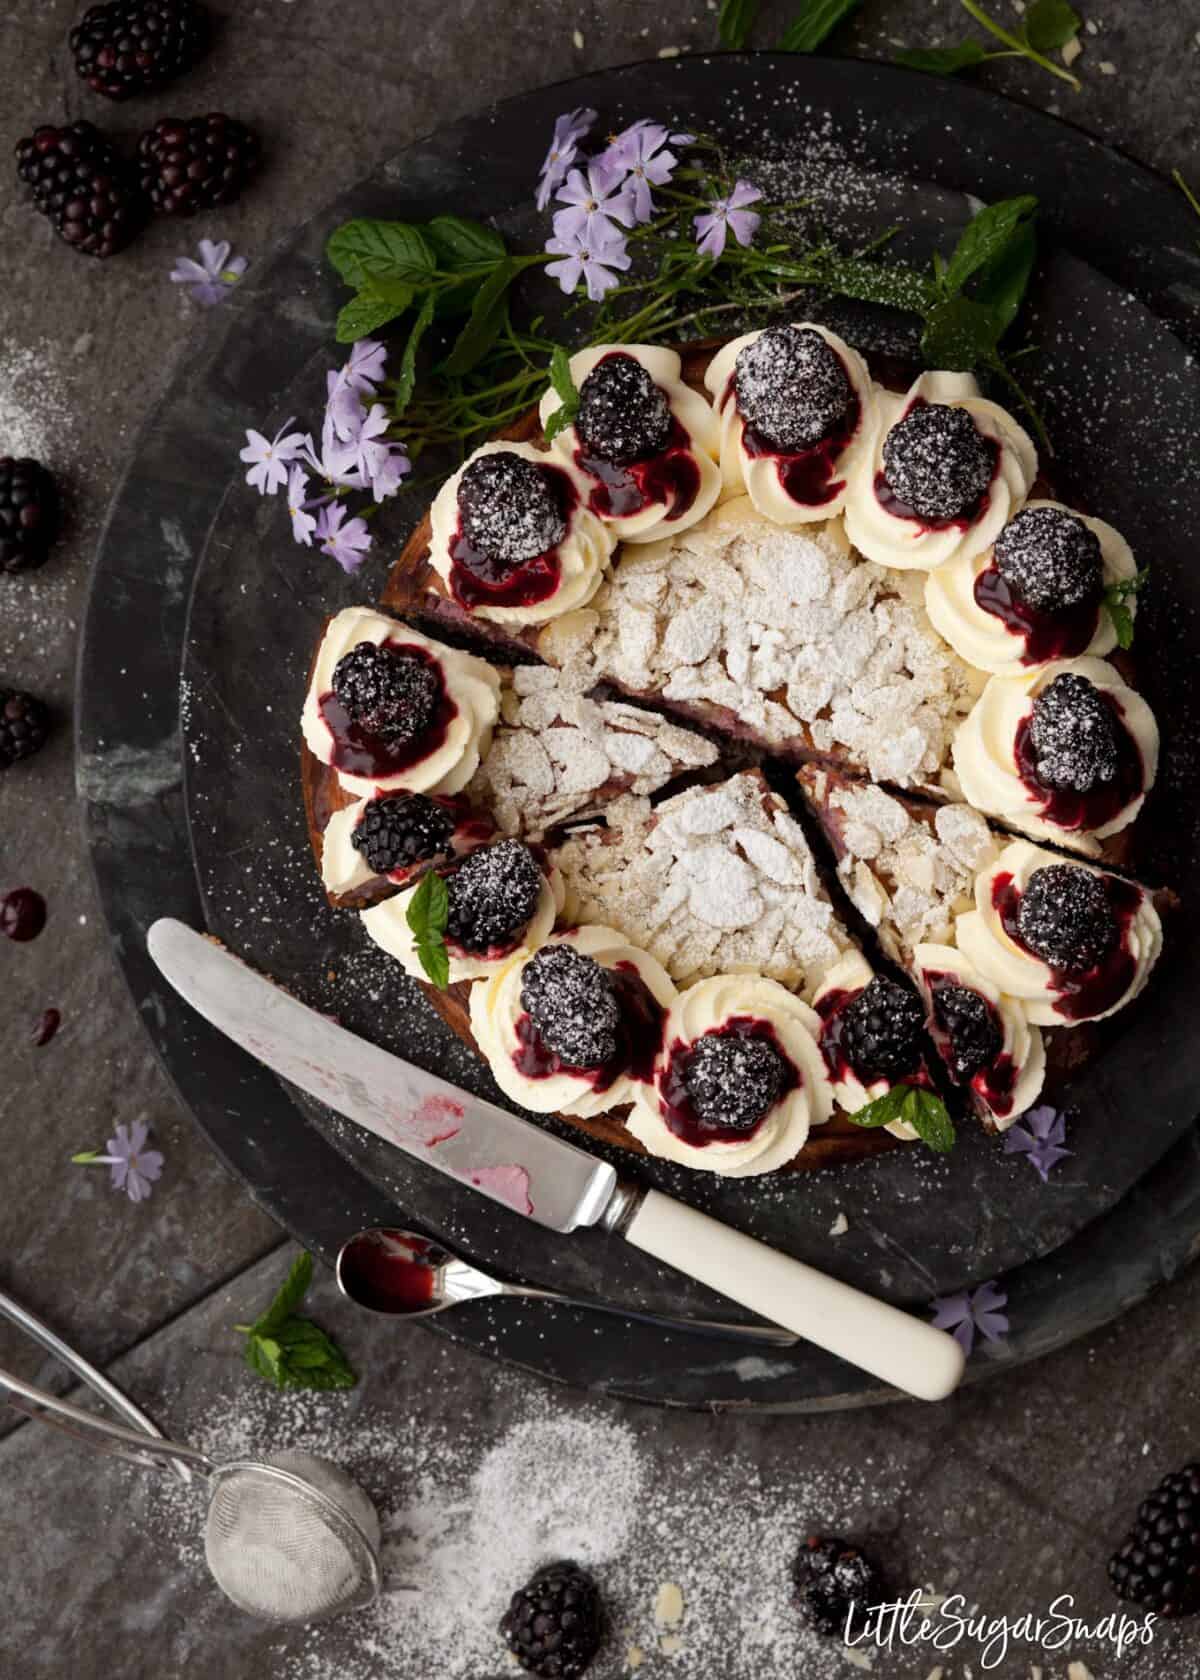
(1020, 48)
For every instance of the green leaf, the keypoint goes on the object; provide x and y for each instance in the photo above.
(1050, 24)
(308, 1358)
(818, 19)
(1116, 604)
(483, 325)
(959, 334)
(1002, 284)
(458, 243)
(362, 249)
(289, 1297)
(884, 1109)
(406, 379)
(364, 315)
(735, 21)
(942, 61)
(86, 1158)
(564, 388)
(985, 237)
(396, 292)
(262, 1355)
(427, 915)
(926, 1114)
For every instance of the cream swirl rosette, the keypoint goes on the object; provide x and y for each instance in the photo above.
(705, 1007)
(891, 539)
(497, 1013)
(470, 703)
(677, 486)
(387, 924)
(1000, 645)
(344, 868)
(761, 474)
(1012, 1080)
(576, 563)
(986, 757)
(1053, 997)
(850, 976)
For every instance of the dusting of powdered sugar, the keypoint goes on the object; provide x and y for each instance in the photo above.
(36, 416)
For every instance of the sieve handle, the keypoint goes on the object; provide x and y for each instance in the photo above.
(113, 1440)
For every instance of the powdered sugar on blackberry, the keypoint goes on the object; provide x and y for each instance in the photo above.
(510, 510)
(1050, 559)
(936, 461)
(623, 415)
(493, 894)
(791, 387)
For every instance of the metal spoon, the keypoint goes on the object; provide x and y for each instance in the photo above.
(402, 1274)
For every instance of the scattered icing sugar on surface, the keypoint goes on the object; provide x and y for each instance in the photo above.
(36, 415)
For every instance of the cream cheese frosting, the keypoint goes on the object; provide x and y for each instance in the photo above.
(1011, 1083)
(472, 690)
(700, 443)
(892, 540)
(989, 642)
(851, 976)
(581, 558)
(762, 476)
(387, 924)
(497, 1011)
(344, 868)
(986, 760)
(1052, 999)
(783, 1131)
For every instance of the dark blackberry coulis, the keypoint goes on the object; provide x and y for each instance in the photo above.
(937, 463)
(623, 415)
(974, 1037)
(509, 512)
(493, 895)
(1073, 734)
(1065, 917)
(1050, 559)
(573, 1005)
(792, 388)
(390, 692)
(881, 1030)
(732, 1081)
(399, 830)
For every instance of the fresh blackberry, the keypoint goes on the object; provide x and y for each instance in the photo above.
(1050, 559)
(196, 164)
(24, 726)
(79, 182)
(881, 1030)
(398, 830)
(390, 692)
(732, 1081)
(792, 388)
(22, 914)
(493, 895)
(1158, 1564)
(509, 508)
(28, 514)
(972, 1028)
(1065, 917)
(623, 415)
(937, 462)
(817, 1556)
(554, 1624)
(1073, 732)
(134, 46)
(571, 1001)
(832, 1579)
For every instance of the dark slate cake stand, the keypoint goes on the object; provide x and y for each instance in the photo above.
(203, 615)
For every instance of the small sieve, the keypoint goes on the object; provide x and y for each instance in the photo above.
(289, 1537)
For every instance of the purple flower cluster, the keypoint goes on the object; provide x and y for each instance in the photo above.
(1040, 1135)
(604, 196)
(972, 1310)
(355, 453)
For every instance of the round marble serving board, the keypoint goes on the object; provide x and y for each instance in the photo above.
(201, 623)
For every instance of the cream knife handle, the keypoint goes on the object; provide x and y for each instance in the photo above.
(892, 1345)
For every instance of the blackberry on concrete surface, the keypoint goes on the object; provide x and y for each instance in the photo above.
(24, 725)
(1158, 1564)
(194, 164)
(134, 46)
(28, 514)
(832, 1579)
(80, 183)
(554, 1624)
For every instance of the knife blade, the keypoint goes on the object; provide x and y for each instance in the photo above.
(517, 1164)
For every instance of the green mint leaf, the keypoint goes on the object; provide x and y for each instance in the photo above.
(458, 243)
(1019, 45)
(308, 1358)
(363, 249)
(289, 1297)
(483, 324)
(427, 915)
(262, 1355)
(364, 315)
(985, 237)
(926, 1114)
(564, 389)
(942, 61)
(735, 21)
(1116, 604)
(817, 20)
(406, 379)
(1001, 285)
(1050, 24)
(959, 335)
(884, 1109)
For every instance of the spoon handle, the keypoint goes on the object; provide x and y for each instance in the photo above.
(772, 1335)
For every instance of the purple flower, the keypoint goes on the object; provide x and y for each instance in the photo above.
(569, 130)
(269, 457)
(381, 463)
(303, 523)
(336, 461)
(134, 1167)
(212, 278)
(345, 541)
(344, 406)
(1039, 1135)
(589, 256)
(728, 215)
(367, 365)
(594, 201)
(639, 152)
(971, 1310)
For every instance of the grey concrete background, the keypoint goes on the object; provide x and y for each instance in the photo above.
(1024, 1482)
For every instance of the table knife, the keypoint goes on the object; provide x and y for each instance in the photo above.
(536, 1174)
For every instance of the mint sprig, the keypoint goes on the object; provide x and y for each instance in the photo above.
(816, 21)
(1046, 27)
(564, 389)
(290, 1351)
(427, 915)
(924, 1111)
(1116, 604)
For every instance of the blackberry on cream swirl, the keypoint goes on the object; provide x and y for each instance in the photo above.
(593, 1033)
(795, 405)
(851, 991)
(389, 708)
(744, 1103)
(1068, 752)
(644, 439)
(941, 472)
(512, 536)
(985, 1038)
(397, 836)
(1071, 941)
(1036, 595)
